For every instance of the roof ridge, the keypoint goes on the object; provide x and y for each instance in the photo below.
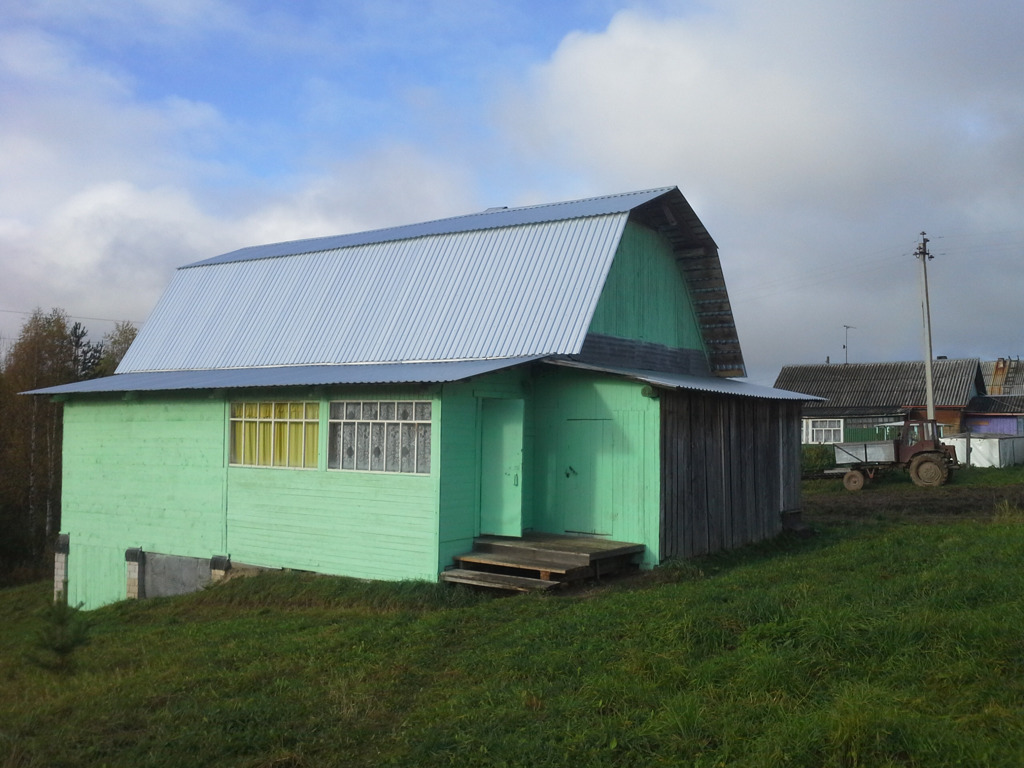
(423, 228)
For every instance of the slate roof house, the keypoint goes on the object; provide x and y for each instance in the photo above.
(1000, 410)
(858, 399)
(370, 404)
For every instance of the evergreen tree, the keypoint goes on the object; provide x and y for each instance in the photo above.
(113, 347)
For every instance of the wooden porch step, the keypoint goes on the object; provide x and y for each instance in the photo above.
(546, 566)
(572, 551)
(557, 559)
(498, 580)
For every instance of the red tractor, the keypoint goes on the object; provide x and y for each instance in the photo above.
(917, 449)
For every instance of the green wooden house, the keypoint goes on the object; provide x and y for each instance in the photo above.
(371, 404)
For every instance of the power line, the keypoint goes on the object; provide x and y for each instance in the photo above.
(76, 317)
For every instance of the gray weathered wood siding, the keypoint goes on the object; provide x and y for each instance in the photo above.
(730, 467)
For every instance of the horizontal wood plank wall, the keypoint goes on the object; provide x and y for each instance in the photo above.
(373, 525)
(143, 473)
(362, 524)
(730, 467)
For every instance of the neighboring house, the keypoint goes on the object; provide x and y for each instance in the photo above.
(996, 415)
(368, 404)
(861, 401)
(1004, 376)
(1000, 410)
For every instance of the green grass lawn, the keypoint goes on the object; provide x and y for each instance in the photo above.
(881, 645)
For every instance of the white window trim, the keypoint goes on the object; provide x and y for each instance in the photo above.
(380, 432)
(833, 426)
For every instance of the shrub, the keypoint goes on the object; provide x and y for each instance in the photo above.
(817, 458)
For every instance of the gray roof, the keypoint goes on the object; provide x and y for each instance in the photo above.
(1010, 405)
(853, 389)
(709, 384)
(393, 373)
(279, 376)
(492, 218)
(495, 293)
(502, 283)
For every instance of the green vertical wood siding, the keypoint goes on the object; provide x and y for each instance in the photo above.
(501, 469)
(459, 489)
(645, 296)
(459, 472)
(147, 473)
(596, 458)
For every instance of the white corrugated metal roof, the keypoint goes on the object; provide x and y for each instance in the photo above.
(511, 291)
(501, 284)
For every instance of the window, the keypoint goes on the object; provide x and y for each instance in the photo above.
(380, 436)
(826, 431)
(275, 434)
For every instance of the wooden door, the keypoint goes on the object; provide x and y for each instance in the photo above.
(501, 467)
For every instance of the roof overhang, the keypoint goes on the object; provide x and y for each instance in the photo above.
(696, 256)
(710, 384)
(287, 376)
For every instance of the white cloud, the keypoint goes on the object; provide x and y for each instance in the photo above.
(815, 140)
(103, 194)
(392, 185)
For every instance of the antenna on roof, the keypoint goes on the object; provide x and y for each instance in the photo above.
(846, 344)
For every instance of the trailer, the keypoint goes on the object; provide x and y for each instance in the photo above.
(918, 450)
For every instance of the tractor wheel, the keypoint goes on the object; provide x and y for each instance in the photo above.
(928, 470)
(853, 480)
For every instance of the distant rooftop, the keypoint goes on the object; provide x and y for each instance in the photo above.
(851, 389)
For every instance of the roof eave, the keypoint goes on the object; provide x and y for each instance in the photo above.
(696, 255)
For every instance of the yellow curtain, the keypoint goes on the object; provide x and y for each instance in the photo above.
(249, 443)
(312, 444)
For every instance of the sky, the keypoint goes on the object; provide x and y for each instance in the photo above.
(815, 139)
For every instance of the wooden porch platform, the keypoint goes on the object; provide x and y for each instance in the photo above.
(540, 561)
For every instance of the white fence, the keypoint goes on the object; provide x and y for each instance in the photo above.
(981, 450)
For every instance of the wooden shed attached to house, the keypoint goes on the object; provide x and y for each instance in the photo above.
(860, 400)
(373, 404)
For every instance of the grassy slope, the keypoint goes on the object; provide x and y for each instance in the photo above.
(871, 645)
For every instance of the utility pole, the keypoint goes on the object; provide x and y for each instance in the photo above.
(846, 344)
(922, 254)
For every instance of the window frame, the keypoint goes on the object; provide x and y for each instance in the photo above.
(261, 434)
(369, 435)
(822, 426)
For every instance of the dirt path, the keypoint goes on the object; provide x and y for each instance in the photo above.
(894, 500)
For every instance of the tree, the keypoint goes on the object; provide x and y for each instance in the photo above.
(113, 348)
(85, 356)
(48, 351)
